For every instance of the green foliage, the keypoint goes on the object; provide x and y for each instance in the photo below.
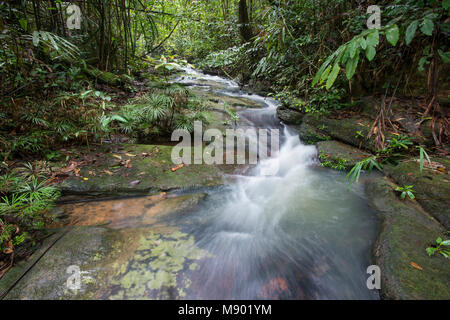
(442, 247)
(69, 117)
(25, 201)
(423, 155)
(319, 100)
(359, 134)
(409, 16)
(406, 191)
(401, 142)
(232, 114)
(366, 164)
(162, 112)
(336, 164)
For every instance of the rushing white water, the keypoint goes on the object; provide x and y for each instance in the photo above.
(299, 234)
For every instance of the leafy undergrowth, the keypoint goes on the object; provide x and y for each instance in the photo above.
(39, 127)
(25, 204)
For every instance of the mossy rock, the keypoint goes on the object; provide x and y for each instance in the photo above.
(340, 155)
(406, 231)
(432, 187)
(149, 171)
(143, 263)
(289, 116)
(108, 77)
(219, 102)
(344, 130)
(309, 134)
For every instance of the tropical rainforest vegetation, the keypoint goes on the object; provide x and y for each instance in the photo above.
(62, 85)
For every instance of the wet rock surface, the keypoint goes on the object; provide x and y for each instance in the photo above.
(139, 169)
(431, 186)
(290, 116)
(406, 231)
(340, 153)
(127, 264)
(344, 130)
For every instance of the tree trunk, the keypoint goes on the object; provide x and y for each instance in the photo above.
(244, 23)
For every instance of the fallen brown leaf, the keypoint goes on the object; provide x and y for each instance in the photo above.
(108, 172)
(177, 167)
(415, 265)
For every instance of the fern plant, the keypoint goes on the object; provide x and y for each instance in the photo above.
(366, 164)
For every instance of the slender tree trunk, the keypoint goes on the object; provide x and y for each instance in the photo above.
(244, 23)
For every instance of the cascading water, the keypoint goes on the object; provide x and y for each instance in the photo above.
(299, 234)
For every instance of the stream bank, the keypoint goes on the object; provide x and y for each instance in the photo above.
(408, 227)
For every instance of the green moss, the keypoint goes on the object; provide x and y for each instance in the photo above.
(339, 156)
(156, 265)
(332, 162)
(344, 129)
(153, 173)
(406, 232)
(432, 187)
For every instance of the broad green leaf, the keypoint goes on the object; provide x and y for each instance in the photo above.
(427, 27)
(325, 74)
(411, 31)
(333, 75)
(346, 55)
(446, 4)
(352, 51)
(363, 43)
(446, 243)
(23, 24)
(370, 53)
(373, 39)
(350, 68)
(445, 56)
(393, 34)
(431, 251)
(322, 68)
(422, 62)
(439, 240)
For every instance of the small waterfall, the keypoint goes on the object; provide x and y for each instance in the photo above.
(298, 234)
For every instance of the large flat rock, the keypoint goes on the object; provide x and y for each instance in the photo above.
(135, 255)
(139, 169)
(344, 130)
(432, 186)
(335, 153)
(144, 263)
(406, 231)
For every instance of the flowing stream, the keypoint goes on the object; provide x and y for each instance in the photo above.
(300, 234)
